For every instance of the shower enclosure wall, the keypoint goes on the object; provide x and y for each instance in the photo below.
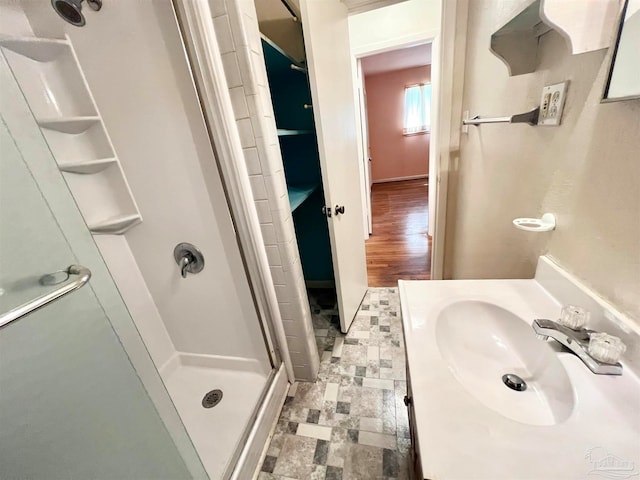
(116, 103)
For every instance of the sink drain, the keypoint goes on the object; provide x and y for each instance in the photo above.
(212, 398)
(514, 382)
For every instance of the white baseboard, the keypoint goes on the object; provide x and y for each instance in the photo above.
(400, 179)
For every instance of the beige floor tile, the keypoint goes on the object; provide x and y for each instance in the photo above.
(363, 462)
(296, 457)
(354, 355)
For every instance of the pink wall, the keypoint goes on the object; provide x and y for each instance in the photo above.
(393, 154)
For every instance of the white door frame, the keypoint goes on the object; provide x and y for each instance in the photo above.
(363, 145)
(426, 37)
(451, 43)
(452, 48)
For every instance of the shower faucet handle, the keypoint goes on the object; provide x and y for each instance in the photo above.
(188, 258)
(184, 264)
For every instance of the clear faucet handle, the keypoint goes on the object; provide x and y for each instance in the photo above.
(573, 317)
(606, 348)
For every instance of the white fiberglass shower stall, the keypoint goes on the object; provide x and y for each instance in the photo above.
(106, 157)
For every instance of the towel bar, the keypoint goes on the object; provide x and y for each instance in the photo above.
(530, 117)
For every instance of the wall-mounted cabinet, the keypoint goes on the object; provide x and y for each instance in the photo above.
(52, 82)
(587, 26)
(291, 99)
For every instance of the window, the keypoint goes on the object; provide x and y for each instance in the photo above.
(417, 109)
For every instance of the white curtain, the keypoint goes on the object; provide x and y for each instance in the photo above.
(417, 111)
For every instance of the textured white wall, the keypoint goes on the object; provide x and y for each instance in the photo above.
(236, 25)
(586, 171)
(388, 27)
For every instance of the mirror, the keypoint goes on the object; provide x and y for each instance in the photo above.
(624, 74)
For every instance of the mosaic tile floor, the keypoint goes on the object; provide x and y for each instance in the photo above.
(351, 424)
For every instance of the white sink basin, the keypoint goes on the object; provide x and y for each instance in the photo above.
(481, 342)
(461, 337)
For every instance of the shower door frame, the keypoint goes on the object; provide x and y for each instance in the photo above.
(202, 53)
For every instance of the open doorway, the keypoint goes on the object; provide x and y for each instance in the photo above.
(395, 110)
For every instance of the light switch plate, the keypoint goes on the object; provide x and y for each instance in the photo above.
(552, 103)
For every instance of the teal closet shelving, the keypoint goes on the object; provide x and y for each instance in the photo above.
(282, 132)
(298, 194)
(291, 98)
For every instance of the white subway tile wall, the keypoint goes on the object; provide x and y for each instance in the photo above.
(236, 25)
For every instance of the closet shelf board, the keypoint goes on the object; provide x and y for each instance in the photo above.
(278, 61)
(299, 193)
(283, 132)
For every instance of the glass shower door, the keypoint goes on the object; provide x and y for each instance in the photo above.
(71, 403)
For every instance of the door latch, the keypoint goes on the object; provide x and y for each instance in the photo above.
(326, 211)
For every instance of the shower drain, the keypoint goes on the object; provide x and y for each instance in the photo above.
(212, 398)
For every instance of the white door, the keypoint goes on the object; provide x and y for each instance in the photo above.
(366, 153)
(326, 36)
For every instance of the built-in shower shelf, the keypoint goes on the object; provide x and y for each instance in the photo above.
(52, 82)
(72, 125)
(115, 225)
(88, 167)
(35, 48)
(49, 77)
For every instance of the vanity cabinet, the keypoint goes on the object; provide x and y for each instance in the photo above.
(293, 109)
(415, 467)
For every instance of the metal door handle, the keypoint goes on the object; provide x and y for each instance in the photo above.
(83, 273)
(339, 209)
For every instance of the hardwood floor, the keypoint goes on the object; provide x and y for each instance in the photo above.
(399, 247)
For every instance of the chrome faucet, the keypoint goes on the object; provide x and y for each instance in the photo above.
(577, 341)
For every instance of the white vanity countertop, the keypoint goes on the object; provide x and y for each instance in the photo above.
(461, 439)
